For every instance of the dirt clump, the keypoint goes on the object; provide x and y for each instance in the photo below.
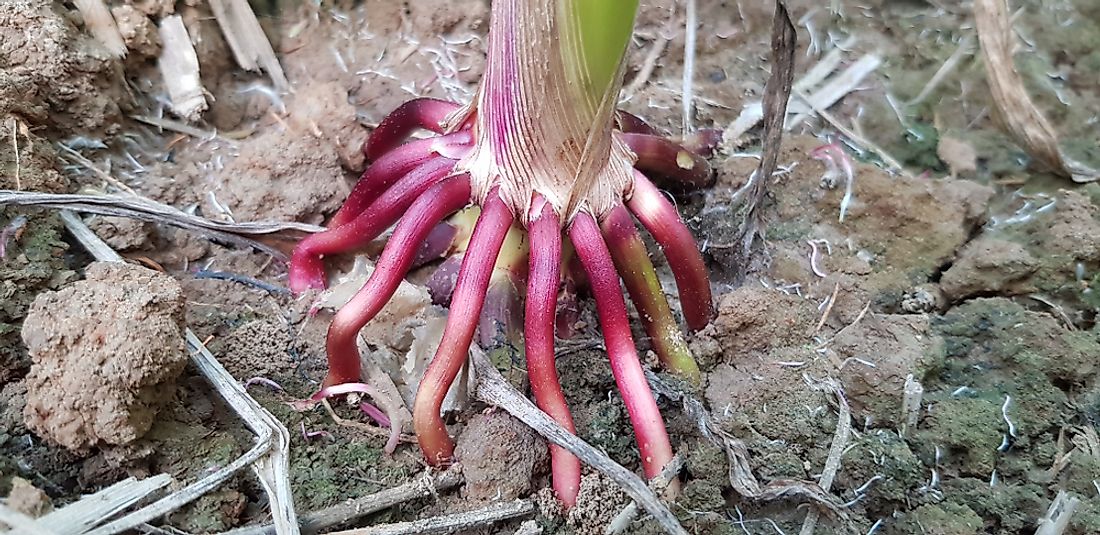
(501, 458)
(1061, 232)
(155, 8)
(297, 172)
(752, 319)
(989, 265)
(1013, 508)
(884, 459)
(52, 73)
(106, 352)
(137, 30)
(122, 233)
(877, 354)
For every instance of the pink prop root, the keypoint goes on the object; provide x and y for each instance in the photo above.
(660, 157)
(541, 310)
(663, 222)
(836, 160)
(649, 427)
(462, 319)
(632, 261)
(411, 178)
(420, 113)
(306, 265)
(387, 170)
(343, 353)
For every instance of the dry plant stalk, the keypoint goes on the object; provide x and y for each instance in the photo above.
(100, 23)
(244, 234)
(452, 523)
(17, 523)
(357, 508)
(1020, 116)
(777, 93)
(84, 514)
(912, 394)
(247, 40)
(1058, 516)
(179, 66)
(836, 449)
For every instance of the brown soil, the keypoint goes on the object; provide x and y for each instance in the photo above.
(949, 274)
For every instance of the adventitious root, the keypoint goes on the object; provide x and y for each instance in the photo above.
(540, 150)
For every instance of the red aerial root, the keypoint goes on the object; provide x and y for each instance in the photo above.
(633, 264)
(649, 427)
(343, 352)
(663, 222)
(469, 296)
(426, 113)
(542, 296)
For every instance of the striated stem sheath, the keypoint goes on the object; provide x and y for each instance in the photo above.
(462, 319)
(343, 353)
(542, 291)
(660, 218)
(649, 427)
(632, 260)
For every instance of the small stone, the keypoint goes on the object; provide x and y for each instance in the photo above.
(959, 155)
(922, 299)
(989, 265)
(28, 499)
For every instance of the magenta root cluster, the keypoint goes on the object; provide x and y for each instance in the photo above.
(415, 184)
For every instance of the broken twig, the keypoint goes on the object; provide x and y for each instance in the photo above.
(102, 26)
(357, 508)
(89, 511)
(179, 68)
(246, 38)
(836, 449)
(486, 516)
(658, 484)
(143, 209)
(777, 93)
(1020, 115)
(1057, 518)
